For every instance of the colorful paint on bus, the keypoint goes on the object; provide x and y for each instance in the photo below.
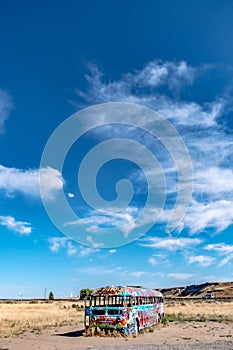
(127, 309)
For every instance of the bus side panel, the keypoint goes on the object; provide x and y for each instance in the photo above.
(147, 315)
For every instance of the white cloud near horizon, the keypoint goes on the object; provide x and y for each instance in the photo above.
(22, 227)
(181, 275)
(14, 181)
(6, 105)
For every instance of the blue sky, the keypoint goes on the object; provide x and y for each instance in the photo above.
(58, 58)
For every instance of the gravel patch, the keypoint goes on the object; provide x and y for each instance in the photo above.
(201, 346)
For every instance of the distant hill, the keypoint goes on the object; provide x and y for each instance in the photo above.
(218, 289)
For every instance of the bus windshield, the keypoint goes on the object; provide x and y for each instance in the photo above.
(107, 301)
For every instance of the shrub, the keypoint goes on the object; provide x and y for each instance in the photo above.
(51, 296)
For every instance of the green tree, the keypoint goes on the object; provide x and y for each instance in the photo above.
(51, 296)
(85, 293)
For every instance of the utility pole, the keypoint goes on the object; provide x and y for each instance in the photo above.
(45, 292)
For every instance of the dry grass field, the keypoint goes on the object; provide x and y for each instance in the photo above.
(17, 318)
(189, 310)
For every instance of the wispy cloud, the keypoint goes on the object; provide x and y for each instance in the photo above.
(98, 219)
(181, 275)
(158, 259)
(170, 244)
(153, 75)
(15, 181)
(137, 274)
(56, 244)
(221, 249)
(123, 220)
(226, 260)
(202, 260)
(22, 227)
(71, 249)
(158, 85)
(85, 251)
(209, 214)
(6, 105)
(152, 260)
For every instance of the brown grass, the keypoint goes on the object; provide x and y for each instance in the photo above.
(199, 310)
(17, 318)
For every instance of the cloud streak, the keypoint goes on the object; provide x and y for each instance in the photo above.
(22, 227)
(170, 244)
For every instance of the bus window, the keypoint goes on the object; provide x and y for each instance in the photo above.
(98, 312)
(129, 301)
(119, 301)
(114, 311)
(110, 300)
(102, 301)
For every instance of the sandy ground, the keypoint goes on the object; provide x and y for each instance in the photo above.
(190, 335)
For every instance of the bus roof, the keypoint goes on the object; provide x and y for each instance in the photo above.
(126, 291)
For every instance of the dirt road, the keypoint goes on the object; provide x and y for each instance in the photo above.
(175, 336)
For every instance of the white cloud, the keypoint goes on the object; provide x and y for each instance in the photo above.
(137, 274)
(51, 181)
(216, 214)
(21, 227)
(202, 260)
(70, 195)
(159, 259)
(214, 181)
(93, 243)
(200, 125)
(181, 276)
(226, 260)
(85, 251)
(131, 89)
(15, 181)
(123, 220)
(71, 249)
(97, 270)
(152, 261)
(56, 243)
(154, 74)
(97, 219)
(6, 105)
(221, 249)
(170, 244)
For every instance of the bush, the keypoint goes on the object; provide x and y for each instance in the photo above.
(51, 296)
(85, 293)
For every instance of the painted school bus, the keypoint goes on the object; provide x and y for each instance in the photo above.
(127, 309)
